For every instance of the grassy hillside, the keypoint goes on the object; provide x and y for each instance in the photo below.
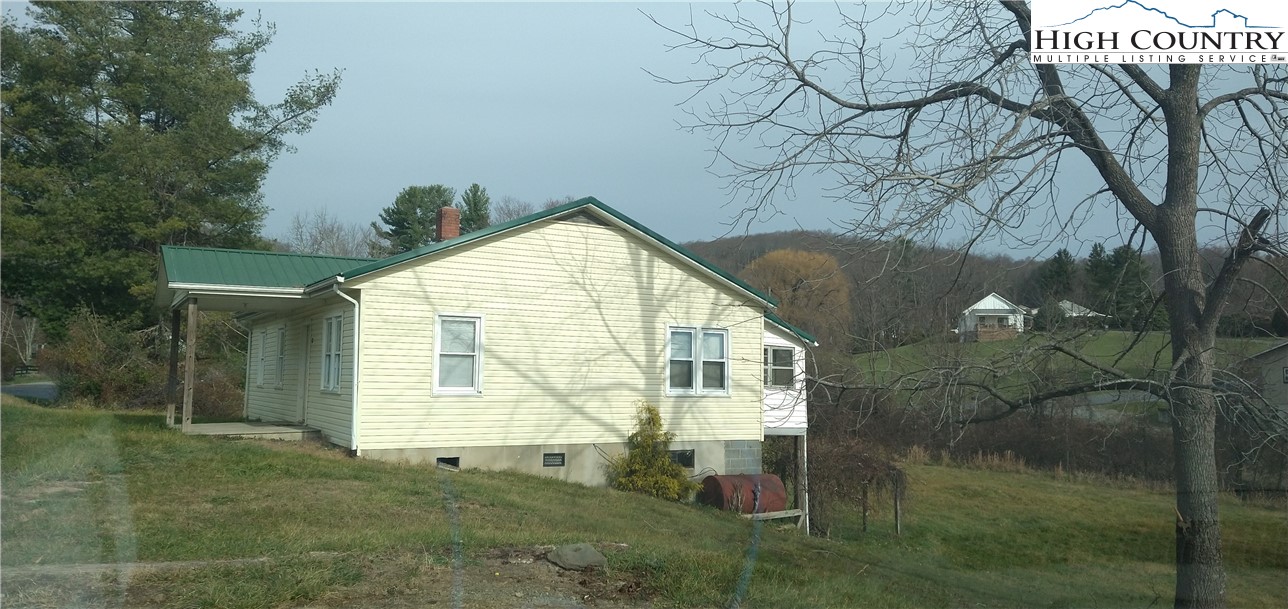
(104, 487)
(1149, 355)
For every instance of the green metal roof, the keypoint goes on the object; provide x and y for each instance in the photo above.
(782, 323)
(591, 202)
(210, 266)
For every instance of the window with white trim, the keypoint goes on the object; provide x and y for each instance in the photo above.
(259, 368)
(332, 332)
(458, 354)
(779, 366)
(281, 356)
(697, 361)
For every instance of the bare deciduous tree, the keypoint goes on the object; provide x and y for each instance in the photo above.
(960, 129)
(509, 208)
(19, 333)
(318, 231)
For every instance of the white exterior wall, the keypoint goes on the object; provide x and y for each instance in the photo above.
(991, 308)
(574, 334)
(328, 411)
(785, 412)
(277, 398)
(1274, 378)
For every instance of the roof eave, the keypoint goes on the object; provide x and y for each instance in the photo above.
(806, 337)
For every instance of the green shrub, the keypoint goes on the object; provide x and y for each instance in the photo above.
(107, 363)
(646, 467)
(103, 361)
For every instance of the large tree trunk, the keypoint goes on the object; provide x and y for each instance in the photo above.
(1200, 573)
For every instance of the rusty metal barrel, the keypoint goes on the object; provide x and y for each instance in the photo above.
(745, 493)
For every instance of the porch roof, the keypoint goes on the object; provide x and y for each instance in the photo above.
(239, 280)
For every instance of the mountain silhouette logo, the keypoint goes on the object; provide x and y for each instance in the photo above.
(1212, 21)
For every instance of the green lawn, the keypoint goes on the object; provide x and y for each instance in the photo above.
(104, 487)
(1019, 363)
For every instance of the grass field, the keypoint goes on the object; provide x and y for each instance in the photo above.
(109, 487)
(1020, 362)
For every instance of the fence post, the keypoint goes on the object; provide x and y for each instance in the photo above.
(898, 508)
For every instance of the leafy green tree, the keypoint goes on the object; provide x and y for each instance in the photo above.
(475, 212)
(127, 126)
(411, 221)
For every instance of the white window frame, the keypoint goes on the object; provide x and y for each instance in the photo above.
(332, 351)
(281, 356)
(259, 368)
(477, 388)
(697, 333)
(770, 367)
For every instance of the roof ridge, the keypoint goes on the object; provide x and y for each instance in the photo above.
(584, 202)
(267, 252)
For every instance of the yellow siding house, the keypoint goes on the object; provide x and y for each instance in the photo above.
(527, 345)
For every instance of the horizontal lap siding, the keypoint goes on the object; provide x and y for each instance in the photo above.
(328, 411)
(271, 401)
(785, 408)
(575, 319)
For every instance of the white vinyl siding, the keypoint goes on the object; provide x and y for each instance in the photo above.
(299, 342)
(785, 405)
(576, 334)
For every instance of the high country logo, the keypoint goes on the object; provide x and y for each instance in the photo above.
(1159, 31)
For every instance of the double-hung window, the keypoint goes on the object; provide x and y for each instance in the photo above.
(259, 369)
(332, 331)
(779, 366)
(458, 355)
(281, 355)
(697, 361)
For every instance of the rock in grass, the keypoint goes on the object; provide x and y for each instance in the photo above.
(577, 557)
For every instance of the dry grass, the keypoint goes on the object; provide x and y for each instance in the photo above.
(104, 487)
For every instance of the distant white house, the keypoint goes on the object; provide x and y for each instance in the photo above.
(1073, 309)
(992, 318)
(1268, 372)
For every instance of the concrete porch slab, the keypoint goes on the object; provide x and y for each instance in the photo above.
(255, 430)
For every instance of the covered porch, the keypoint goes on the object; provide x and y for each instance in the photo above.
(247, 283)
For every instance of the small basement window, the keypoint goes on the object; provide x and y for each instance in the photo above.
(552, 460)
(452, 463)
(683, 457)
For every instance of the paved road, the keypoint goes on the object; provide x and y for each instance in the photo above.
(43, 390)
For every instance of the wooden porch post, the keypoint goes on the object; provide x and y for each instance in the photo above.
(172, 382)
(190, 374)
(802, 482)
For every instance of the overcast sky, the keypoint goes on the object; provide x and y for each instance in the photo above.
(530, 100)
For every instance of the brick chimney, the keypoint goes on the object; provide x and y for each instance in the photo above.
(449, 223)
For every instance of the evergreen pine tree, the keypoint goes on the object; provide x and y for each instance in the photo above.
(411, 221)
(474, 205)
